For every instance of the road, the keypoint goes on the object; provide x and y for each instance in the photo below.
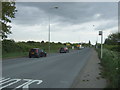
(54, 71)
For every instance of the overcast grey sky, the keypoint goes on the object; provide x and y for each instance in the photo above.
(71, 22)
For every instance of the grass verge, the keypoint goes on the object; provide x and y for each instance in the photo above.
(22, 54)
(14, 55)
(111, 67)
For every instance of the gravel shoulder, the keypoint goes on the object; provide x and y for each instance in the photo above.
(89, 76)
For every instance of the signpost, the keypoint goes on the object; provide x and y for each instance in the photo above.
(101, 33)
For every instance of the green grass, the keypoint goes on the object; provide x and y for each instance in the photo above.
(110, 63)
(14, 55)
(52, 51)
(112, 47)
(12, 49)
(22, 54)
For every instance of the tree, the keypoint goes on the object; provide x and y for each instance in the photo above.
(59, 43)
(42, 42)
(31, 42)
(8, 12)
(89, 43)
(113, 39)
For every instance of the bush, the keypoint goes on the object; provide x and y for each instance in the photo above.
(111, 65)
(10, 46)
(112, 47)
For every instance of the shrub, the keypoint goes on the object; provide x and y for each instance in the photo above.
(112, 47)
(9, 46)
(111, 65)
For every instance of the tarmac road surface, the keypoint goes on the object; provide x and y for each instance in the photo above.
(57, 70)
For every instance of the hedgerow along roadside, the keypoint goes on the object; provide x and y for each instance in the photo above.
(11, 49)
(111, 67)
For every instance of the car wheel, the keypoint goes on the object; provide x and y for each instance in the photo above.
(38, 56)
(45, 55)
(29, 56)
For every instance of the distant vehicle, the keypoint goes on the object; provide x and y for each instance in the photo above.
(82, 47)
(64, 50)
(36, 52)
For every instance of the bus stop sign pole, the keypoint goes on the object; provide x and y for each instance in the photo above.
(101, 33)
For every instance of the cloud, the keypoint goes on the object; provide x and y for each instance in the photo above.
(68, 12)
(72, 21)
(97, 16)
(107, 24)
(28, 15)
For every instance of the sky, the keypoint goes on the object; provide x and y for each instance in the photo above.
(71, 22)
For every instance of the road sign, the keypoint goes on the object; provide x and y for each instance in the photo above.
(100, 32)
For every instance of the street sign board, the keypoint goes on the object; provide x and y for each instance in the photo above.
(100, 32)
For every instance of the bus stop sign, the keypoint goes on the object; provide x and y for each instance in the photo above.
(100, 32)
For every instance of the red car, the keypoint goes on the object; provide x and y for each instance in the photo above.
(64, 50)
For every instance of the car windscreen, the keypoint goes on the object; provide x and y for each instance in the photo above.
(40, 50)
(61, 48)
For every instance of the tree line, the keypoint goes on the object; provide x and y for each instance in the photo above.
(113, 42)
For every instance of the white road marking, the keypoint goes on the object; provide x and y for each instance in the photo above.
(15, 81)
(3, 79)
(5, 82)
(29, 81)
(27, 85)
